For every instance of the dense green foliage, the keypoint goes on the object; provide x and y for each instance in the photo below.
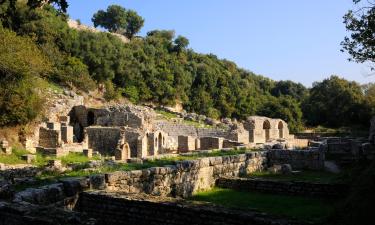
(336, 102)
(361, 23)
(119, 20)
(160, 68)
(22, 65)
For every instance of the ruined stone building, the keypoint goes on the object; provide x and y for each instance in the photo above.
(136, 132)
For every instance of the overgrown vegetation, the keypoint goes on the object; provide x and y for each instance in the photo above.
(158, 68)
(291, 206)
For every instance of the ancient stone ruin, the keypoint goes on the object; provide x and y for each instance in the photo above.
(136, 132)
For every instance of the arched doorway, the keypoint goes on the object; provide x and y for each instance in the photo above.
(280, 126)
(160, 143)
(90, 118)
(266, 129)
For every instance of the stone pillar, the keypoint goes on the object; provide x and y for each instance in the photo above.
(87, 152)
(67, 134)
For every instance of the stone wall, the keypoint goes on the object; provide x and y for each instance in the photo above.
(184, 178)
(103, 139)
(49, 138)
(284, 187)
(109, 208)
(298, 159)
(179, 129)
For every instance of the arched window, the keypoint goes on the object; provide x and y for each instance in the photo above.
(266, 129)
(280, 126)
(90, 118)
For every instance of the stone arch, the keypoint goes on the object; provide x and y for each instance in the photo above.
(280, 127)
(266, 129)
(90, 118)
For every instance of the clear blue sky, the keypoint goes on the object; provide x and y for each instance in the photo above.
(289, 39)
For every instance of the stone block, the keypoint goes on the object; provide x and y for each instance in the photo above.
(7, 150)
(67, 134)
(57, 152)
(88, 152)
(29, 158)
(186, 143)
(53, 126)
(54, 163)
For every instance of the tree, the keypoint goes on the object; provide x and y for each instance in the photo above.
(61, 4)
(181, 43)
(119, 20)
(361, 42)
(285, 108)
(22, 67)
(335, 102)
(114, 19)
(134, 23)
(295, 90)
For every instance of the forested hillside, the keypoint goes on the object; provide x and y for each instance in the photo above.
(37, 48)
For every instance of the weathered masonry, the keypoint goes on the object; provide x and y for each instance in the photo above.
(136, 132)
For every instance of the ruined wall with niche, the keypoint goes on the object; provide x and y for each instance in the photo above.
(103, 139)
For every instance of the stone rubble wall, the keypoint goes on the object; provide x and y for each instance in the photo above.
(49, 138)
(179, 129)
(284, 187)
(184, 178)
(298, 159)
(109, 208)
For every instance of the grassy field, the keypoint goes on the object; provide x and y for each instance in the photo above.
(14, 158)
(310, 209)
(310, 176)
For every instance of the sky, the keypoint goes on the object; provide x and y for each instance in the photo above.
(283, 40)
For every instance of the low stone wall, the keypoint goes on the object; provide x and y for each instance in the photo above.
(109, 208)
(184, 178)
(21, 171)
(284, 187)
(298, 159)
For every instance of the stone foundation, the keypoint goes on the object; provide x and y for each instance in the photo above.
(284, 187)
(298, 159)
(109, 208)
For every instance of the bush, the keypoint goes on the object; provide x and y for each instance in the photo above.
(22, 66)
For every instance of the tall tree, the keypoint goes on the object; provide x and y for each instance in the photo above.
(119, 20)
(361, 23)
(335, 102)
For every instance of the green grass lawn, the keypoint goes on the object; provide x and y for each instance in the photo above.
(14, 158)
(301, 208)
(309, 176)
